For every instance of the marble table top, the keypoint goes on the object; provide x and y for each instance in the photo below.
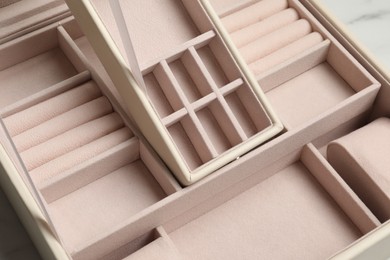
(367, 19)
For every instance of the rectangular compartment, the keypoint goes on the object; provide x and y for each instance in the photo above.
(33, 63)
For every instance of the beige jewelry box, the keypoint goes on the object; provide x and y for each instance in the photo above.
(88, 185)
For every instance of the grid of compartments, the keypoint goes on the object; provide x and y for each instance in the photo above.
(73, 139)
(204, 110)
(196, 88)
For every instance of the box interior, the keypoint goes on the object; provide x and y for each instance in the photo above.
(109, 195)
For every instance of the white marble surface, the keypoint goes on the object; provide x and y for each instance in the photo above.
(369, 20)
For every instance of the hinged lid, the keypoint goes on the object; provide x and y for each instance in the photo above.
(190, 93)
(18, 17)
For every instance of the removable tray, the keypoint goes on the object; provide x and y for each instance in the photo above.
(191, 95)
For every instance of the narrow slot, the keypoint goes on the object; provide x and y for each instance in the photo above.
(160, 172)
(71, 50)
(253, 107)
(45, 94)
(213, 66)
(199, 137)
(261, 28)
(213, 127)
(185, 146)
(354, 208)
(293, 67)
(50, 108)
(197, 42)
(187, 82)
(286, 53)
(156, 94)
(69, 141)
(65, 122)
(275, 40)
(87, 172)
(223, 113)
(171, 92)
(241, 113)
(79, 155)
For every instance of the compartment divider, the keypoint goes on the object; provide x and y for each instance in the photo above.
(71, 50)
(158, 169)
(197, 42)
(289, 69)
(349, 202)
(231, 87)
(191, 124)
(81, 175)
(46, 94)
(225, 117)
(203, 102)
(174, 117)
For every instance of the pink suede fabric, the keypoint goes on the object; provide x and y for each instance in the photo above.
(60, 124)
(253, 13)
(286, 53)
(259, 29)
(35, 115)
(362, 159)
(275, 40)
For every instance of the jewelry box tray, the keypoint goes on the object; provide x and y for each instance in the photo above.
(66, 134)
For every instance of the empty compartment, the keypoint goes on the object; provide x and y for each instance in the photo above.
(189, 142)
(216, 124)
(213, 65)
(290, 209)
(33, 63)
(98, 206)
(248, 110)
(185, 75)
(157, 96)
(334, 77)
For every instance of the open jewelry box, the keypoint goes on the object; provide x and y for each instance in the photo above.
(89, 182)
